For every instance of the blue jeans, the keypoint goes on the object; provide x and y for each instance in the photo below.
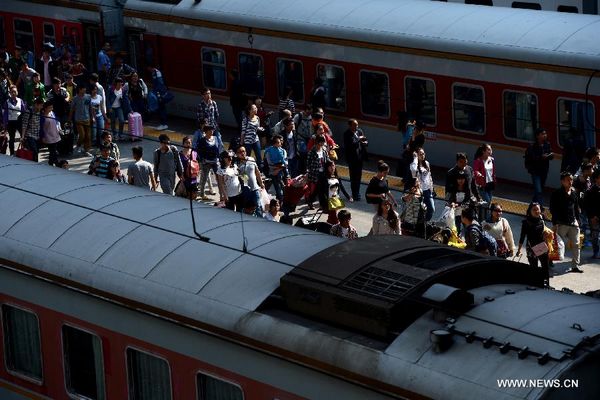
(97, 130)
(428, 200)
(117, 114)
(256, 147)
(278, 185)
(539, 181)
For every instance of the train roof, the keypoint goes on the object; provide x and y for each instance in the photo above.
(138, 248)
(543, 37)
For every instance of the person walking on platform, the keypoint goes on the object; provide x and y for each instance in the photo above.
(13, 108)
(484, 167)
(537, 163)
(378, 189)
(533, 229)
(166, 164)
(32, 125)
(355, 147)
(564, 206)
(140, 173)
(81, 109)
(592, 209)
(421, 170)
(207, 112)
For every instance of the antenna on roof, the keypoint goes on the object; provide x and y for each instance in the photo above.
(244, 240)
(203, 238)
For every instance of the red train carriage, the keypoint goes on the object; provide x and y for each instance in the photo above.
(473, 74)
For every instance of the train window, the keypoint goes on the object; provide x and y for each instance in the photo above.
(527, 6)
(333, 79)
(22, 346)
(211, 388)
(290, 74)
(468, 108)
(520, 115)
(214, 73)
(148, 376)
(420, 99)
(84, 364)
(568, 9)
(49, 33)
(578, 117)
(24, 34)
(252, 74)
(374, 94)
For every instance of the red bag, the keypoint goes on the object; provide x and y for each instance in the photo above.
(193, 168)
(24, 153)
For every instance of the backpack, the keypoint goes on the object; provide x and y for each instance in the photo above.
(193, 168)
(487, 241)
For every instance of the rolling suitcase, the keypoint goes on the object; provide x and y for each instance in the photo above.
(136, 127)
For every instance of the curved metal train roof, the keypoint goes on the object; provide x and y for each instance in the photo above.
(562, 39)
(146, 236)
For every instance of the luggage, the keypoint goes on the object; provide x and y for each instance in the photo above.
(136, 127)
(65, 146)
(24, 153)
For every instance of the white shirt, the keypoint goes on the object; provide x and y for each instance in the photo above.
(489, 169)
(118, 97)
(47, 77)
(231, 180)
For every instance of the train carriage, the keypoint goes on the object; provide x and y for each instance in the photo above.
(106, 292)
(473, 74)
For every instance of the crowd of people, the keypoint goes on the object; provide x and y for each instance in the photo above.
(296, 157)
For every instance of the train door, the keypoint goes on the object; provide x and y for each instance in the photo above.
(91, 40)
(143, 48)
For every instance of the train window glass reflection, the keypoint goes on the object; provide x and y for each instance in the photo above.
(333, 79)
(290, 74)
(520, 115)
(148, 376)
(24, 34)
(49, 33)
(211, 388)
(374, 94)
(22, 346)
(480, 2)
(579, 117)
(420, 99)
(252, 74)
(468, 108)
(525, 5)
(214, 73)
(84, 365)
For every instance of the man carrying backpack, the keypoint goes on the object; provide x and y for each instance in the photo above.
(166, 164)
(476, 238)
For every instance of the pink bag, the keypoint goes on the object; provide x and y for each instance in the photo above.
(136, 128)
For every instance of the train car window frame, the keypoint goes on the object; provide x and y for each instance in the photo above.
(434, 98)
(558, 122)
(389, 106)
(151, 354)
(51, 37)
(72, 394)
(218, 378)
(214, 65)
(20, 374)
(262, 80)
(281, 89)
(537, 116)
(343, 93)
(465, 102)
(24, 33)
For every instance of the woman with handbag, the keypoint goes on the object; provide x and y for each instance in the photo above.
(484, 169)
(386, 221)
(421, 170)
(533, 228)
(499, 229)
(328, 187)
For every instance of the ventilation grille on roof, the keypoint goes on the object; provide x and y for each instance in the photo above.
(380, 283)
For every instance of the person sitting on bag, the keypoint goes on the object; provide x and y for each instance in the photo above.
(32, 127)
(99, 165)
(532, 228)
(328, 188)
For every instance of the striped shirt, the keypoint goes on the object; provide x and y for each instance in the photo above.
(287, 104)
(31, 124)
(100, 169)
(250, 130)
